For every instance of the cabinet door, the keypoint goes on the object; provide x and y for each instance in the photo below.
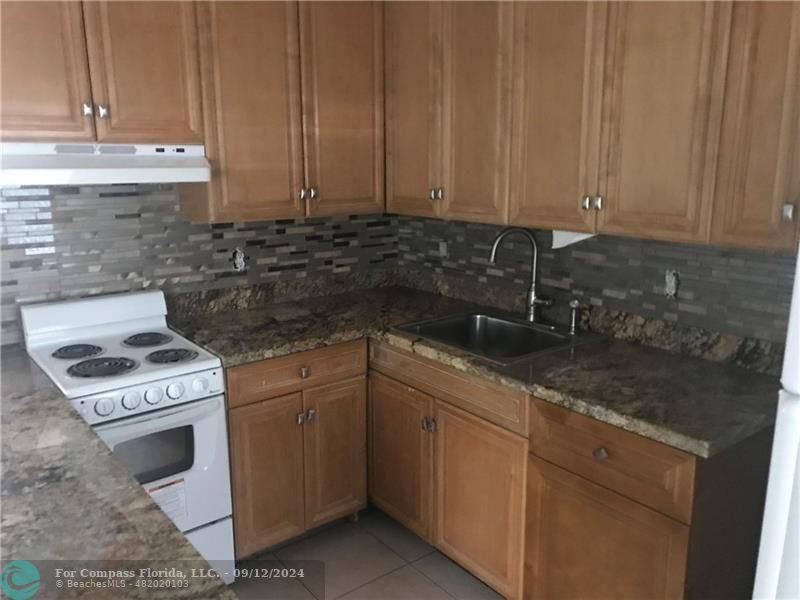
(478, 47)
(267, 472)
(759, 162)
(44, 75)
(583, 541)
(342, 71)
(557, 113)
(401, 453)
(666, 68)
(145, 71)
(480, 497)
(413, 107)
(251, 105)
(335, 450)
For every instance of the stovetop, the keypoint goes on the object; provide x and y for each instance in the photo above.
(99, 363)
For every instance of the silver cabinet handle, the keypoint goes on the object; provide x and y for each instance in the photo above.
(598, 203)
(600, 454)
(102, 111)
(303, 372)
(586, 202)
(313, 193)
(310, 414)
(440, 194)
(303, 194)
(301, 417)
(432, 425)
(432, 195)
(424, 422)
(787, 213)
(86, 109)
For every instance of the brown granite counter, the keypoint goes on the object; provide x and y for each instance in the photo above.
(66, 498)
(689, 403)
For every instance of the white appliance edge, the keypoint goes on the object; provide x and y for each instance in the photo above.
(778, 570)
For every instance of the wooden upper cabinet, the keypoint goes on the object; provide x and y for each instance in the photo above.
(145, 71)
(480, 497)
(335, 449)
(759, 162)
(477, 86)
(666, 70)
(583, 541)
(401, 453)
(267, 472)
(557, 113)
(249, 56)
(342, 74)
(413, 107)
(44, 74)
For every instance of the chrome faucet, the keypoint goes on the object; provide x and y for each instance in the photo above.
(534, 301)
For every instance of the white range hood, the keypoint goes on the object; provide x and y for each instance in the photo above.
(86, 164)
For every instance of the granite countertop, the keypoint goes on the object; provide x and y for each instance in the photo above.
(695, 405)
(66, 497)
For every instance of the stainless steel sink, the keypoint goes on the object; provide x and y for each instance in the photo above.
(499, 340)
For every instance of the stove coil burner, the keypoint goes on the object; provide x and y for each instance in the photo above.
(74, 351)
(147, 338)
(102, 367)
(171, 355)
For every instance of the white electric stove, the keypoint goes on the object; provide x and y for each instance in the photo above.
(155, 398)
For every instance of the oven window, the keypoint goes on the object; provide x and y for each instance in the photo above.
(158, 454)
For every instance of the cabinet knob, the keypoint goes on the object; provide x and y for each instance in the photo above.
(302, 193)
(787, 213)
(432, 195)
(102, 111)
(310, 414)
(586, 202)
(440, 193)
(598, 203)
(301, 417)
(303, 372)
(600, 453)
(313, 193)
(86, 109)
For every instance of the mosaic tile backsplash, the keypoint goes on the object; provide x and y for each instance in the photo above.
(740, 292)
(70, 242)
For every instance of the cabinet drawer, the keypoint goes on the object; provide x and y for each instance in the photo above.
(278, 376)
(496, 403)
(643, 470)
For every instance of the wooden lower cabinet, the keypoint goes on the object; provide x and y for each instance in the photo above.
(401, 453)
(335, 450)
(480, 497)
(298, 439)
(267, 471)
(584, 541)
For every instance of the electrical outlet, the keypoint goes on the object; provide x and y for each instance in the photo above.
(671, 282)
(239, 260)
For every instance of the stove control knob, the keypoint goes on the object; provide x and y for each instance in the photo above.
(200, 385)
(175, 390)
(131, 400)
(153, 395)
(104, 407)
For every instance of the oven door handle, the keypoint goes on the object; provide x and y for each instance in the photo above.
(172, 417)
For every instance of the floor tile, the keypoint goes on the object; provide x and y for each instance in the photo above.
(268, 589)
(404, 584)
(351, 555)
(398, 538)
(455, 580)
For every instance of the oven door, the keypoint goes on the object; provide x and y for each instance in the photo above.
(180, 456)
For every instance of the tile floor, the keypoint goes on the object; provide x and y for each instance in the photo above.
(373, 559)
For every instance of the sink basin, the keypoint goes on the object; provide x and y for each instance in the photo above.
(493, 338)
